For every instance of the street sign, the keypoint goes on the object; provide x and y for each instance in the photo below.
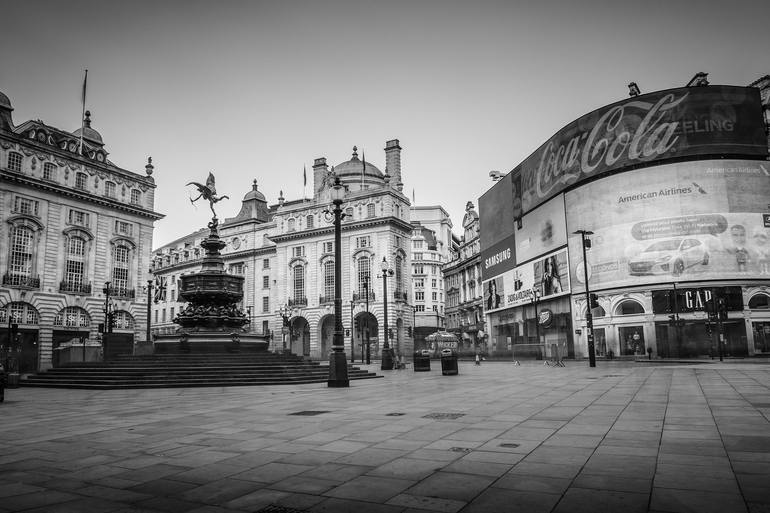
(766, 220)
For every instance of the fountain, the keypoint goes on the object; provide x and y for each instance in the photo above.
(211, 321)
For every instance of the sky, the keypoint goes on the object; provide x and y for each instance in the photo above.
(259, 89)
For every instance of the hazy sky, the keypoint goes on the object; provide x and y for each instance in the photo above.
(259, 89)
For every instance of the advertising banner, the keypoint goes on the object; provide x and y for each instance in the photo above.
(689, 121)
(687, 221)
(496, 229)
(694, 299)
(542, 231)
(548, 276)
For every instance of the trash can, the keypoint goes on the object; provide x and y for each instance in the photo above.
(2, 383)
(422, 360)
(448, 362)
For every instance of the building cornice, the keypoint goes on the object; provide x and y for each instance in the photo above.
(346, 227)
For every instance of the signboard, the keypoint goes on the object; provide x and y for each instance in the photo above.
(542, 231)
(688, 121)
(498, 258)
(496, 228)
(547, 276)
(694, 299)
(446, 344)
(700, 220)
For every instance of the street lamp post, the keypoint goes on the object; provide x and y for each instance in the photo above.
(352, 342)
(535, 300)
(108, 313)
(148, 334)
(387, 356)
(586, 243)
(338, 364)
(285, 314)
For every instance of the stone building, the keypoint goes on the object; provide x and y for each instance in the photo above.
(464, 297)
(286, 253)
(72, 223)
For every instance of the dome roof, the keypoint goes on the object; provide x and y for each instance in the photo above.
(354, 166)
(254, 193)
(89, 134)
(4, 101)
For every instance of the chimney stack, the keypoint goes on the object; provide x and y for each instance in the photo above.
(320, 168)
(393, 164)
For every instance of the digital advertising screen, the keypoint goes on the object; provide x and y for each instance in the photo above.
(542, 230)
(700, 220)
(548, 276)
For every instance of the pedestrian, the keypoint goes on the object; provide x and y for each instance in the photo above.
(478, 357)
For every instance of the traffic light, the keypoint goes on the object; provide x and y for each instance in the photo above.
(722, 309)
(593, 301)
(100, 327)
(14, 328)
(111, 321)
(409, 331)
(587, 242)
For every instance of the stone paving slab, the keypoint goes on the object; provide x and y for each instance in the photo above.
(494, 438)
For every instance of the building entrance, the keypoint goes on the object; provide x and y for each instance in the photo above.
(761, 337)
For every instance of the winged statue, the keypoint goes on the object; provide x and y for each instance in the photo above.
(208, 192)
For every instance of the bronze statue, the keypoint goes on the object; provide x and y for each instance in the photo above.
(208, 192)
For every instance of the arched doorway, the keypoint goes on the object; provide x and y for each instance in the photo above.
(365, 334)
(72, 326)
(22, 338)
(327, 336)
(300, 336)
(760, 305)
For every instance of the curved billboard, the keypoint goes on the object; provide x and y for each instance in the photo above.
(689, 121)
(700, 220)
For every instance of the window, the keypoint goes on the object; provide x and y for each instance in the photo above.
(136, 196)
(433, 283)
(419, 308)
(74, 268)
(417, 256)
(299, 282)
(120, 264)
(109, 189)
(418, 244)
(397, 241)
(364, 242)
(419, 296)
(399, 272)
(156, 317)
(266, 263)
(124, 228)
(370, 210)
(14, 161)
(397, 209)
(419, 283)
(265, 304)
(73, 316)
(25, 206)
(50, 170)
(79, 218)
(236, 268)
(629, 307)
(298, 251)
(291, 225)
(349, 212)
(265, 327)
(266, 282)
(364, 269)
(309, 220)
(434, 296)
(171, 314)
(435, 308)
(173, 295)
(328, 247)
(329, 279)
(20, 266)
(418, 269)
(124, 321)
(81, 181)
(163, 315)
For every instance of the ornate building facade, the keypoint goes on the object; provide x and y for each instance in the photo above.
(77, 233)
(286, 252)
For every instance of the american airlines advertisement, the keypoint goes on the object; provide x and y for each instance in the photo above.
(701, 220)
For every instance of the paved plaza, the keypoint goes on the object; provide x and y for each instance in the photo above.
(497, 437)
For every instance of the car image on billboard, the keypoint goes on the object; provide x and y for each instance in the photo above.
(670, 256)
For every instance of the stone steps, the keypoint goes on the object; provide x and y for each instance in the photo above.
(179, 370)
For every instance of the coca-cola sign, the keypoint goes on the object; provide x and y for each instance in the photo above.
(691, 121)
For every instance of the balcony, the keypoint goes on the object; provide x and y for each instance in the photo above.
(122, 293)
(362, 297)
(299, 301)
(75, 287)
(21, 281)
(399, 295)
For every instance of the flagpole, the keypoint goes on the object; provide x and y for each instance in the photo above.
(83, 114)
(304, 181)
(363, 169)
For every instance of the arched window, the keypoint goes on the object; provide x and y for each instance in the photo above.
(74, 267)
(329, 280)
(370, 210)
(349, 213)
(14, 161)
(629, 307)
(399, 272)
(299, 283)
(21, 313)
(364, 268)
(81, 181)
(123, 320)
(20, 261)
(759, 302)
(136, 196)
(72, 316)
(121, 256)
(50, 170)
(291, 225)
(309, 220)
(110, 189)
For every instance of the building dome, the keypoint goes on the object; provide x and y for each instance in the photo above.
(254, 194)
(89, 134)
(5, 102)
(353, 167)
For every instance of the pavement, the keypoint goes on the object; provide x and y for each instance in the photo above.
(498, 437)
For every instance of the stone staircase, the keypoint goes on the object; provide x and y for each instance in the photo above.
(188, 370)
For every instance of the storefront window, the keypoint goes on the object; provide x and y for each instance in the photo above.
(632, 339)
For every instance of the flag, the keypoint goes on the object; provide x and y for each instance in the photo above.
(363, 168)
(304, 176)
(83, 113)
(412, 195)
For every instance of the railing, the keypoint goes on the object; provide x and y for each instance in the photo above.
(122, 292)
(20, 280)
(362, 297)
(399, 295)
(75, 286)
(298, 301)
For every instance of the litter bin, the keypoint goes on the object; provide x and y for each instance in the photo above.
(2, 383)
(448, 362)
(422, 360)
